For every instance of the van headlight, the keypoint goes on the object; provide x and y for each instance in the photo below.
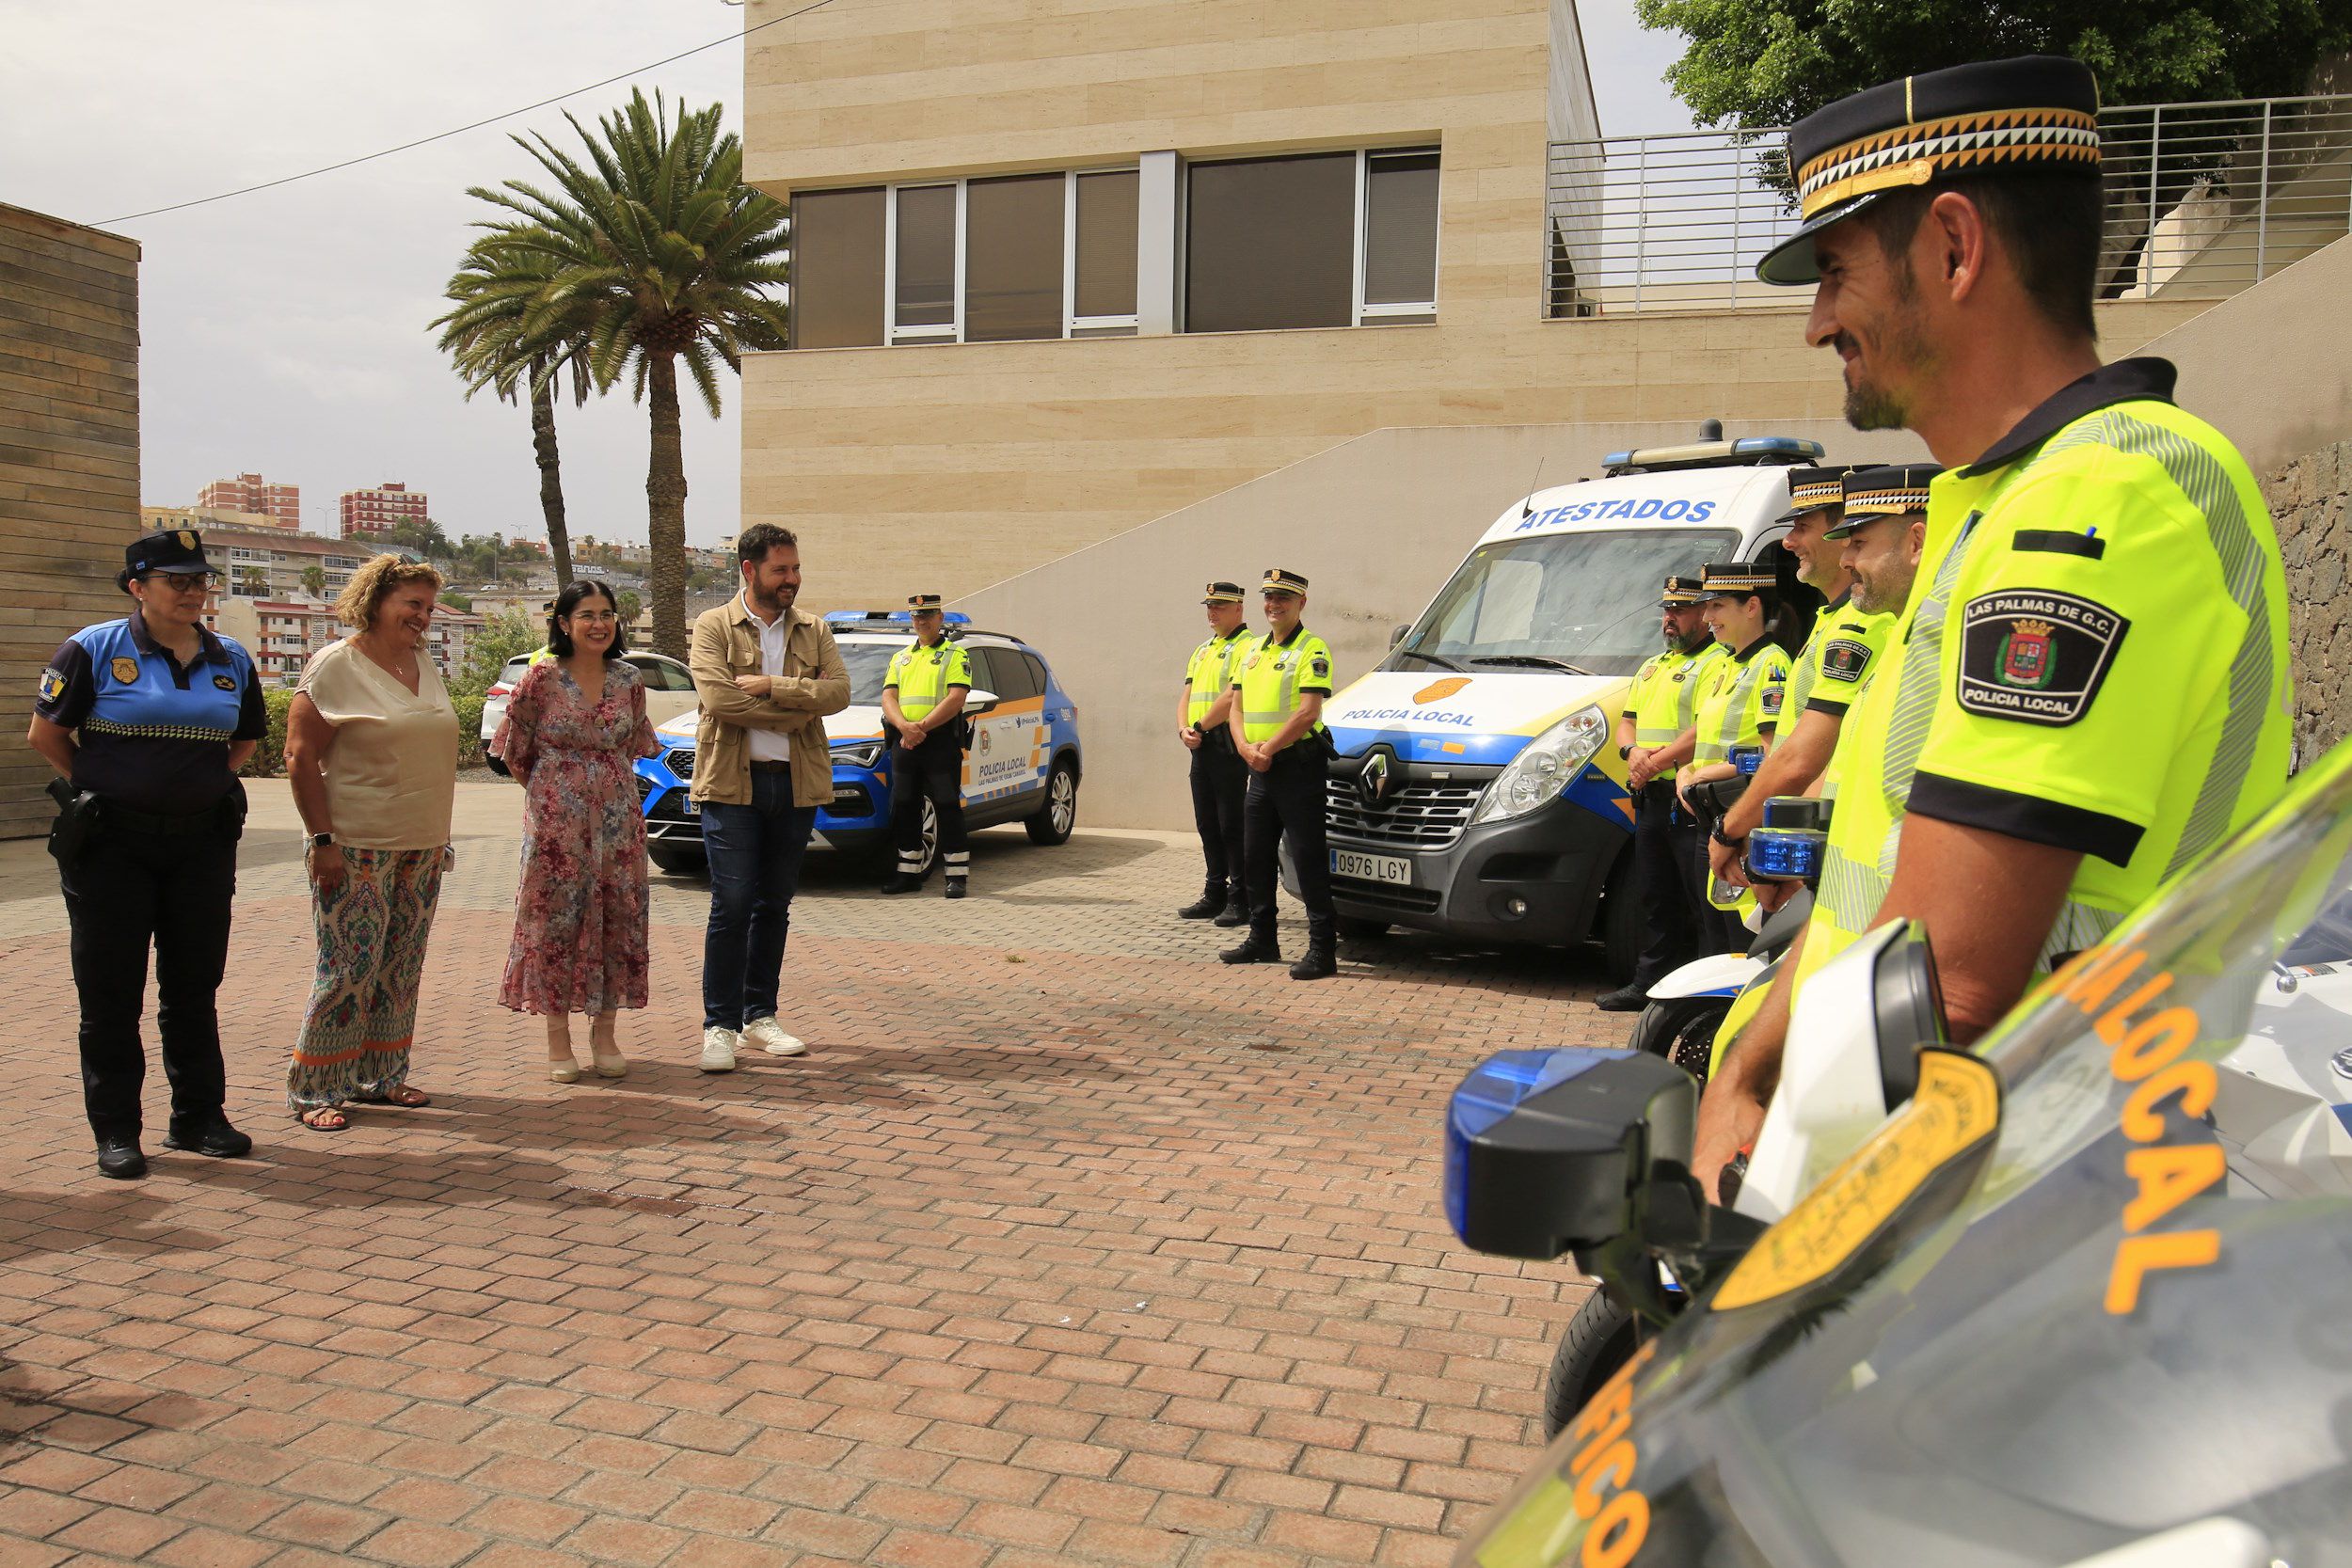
(1550, 763)
(864, 753)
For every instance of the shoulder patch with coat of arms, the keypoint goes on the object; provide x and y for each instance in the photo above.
(1844, 660)
(2035, 657)
(51, 685)
(1319, 668)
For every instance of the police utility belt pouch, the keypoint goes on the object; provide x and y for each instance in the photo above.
(77, 814)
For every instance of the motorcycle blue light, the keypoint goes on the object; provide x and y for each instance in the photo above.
(1747, 759)
(1495, 1089)
(1785, 854)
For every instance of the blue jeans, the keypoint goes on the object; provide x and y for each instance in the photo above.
(755, 853)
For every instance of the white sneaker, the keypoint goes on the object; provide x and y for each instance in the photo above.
(719, 1048)
(766, 1034)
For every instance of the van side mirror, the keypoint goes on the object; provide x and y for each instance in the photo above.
(1396, 634)
(977, 701)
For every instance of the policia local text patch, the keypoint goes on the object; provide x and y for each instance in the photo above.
(2038, 658)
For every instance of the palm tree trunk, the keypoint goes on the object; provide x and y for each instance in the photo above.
(665, 510)
(550, 476)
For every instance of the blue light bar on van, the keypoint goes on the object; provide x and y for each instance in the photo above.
(1787, 446)
(1617, 459)
(888, 617)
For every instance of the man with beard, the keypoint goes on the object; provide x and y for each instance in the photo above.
(1831, 671)
(767, 673)
(2086, 690)
(1653, 737)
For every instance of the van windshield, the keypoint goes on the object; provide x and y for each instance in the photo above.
(1585, 601)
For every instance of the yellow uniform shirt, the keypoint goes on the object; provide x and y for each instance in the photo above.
(1271, 677)
(2094, 657)
(1659, 701)
(1836, 661)
(923, 675)
(1741, 700)
(1210, 672)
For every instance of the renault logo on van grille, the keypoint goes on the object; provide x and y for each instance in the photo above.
(1373, 781)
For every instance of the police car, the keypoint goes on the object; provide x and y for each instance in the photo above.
(1475, 791)
(1023, 765)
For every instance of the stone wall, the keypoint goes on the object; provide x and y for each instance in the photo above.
(2311, 500)
(69, 461)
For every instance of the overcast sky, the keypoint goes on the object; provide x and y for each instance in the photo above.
(284, 332)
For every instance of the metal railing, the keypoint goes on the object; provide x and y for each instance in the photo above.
(2204, 201)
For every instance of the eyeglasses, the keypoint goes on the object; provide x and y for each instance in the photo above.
(594, 617)
(201, 582)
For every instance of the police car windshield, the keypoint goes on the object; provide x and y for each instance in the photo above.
(867, 663)
(2120, 1315)
(1586, 600)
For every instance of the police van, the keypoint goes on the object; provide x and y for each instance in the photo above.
(1022, 766)
(1477, 790)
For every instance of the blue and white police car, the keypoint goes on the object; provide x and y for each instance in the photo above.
(1023, 765)
(1475, 792)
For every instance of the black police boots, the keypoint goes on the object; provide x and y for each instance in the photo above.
(211, 1136)
(1322, 959)
(903, 881)
(1211, 902)
(1237, 910)
(1258, 948)
(120, 1158)
(1624, 999)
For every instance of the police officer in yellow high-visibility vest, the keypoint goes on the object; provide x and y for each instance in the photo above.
(1832, 669)
(1276, 726)
(1219, 777)
(922, 706)
(1658, 707)
(1739, 705)
(2088, 688)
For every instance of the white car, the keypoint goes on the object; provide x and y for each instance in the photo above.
(669, 691)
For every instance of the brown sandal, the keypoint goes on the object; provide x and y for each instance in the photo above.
(324, 1118)
(404, 1097)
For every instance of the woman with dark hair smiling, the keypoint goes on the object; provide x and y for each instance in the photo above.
(572, 729)
(371, 754)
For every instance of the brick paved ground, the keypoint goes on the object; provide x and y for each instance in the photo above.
(1065, 1245)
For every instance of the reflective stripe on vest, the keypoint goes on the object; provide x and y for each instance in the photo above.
(1658, 697)
(921, 674)
(1722, 728)
(1269, 682)
(1210, 672)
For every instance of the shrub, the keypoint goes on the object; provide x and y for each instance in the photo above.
(469, 705)
(269, 757)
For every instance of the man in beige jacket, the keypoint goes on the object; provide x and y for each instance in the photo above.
(767, 673)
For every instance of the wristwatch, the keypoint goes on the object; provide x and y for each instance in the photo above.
(1624, 752)
(1716, 832)
(321, 841)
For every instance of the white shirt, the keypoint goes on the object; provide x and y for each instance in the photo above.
(768, 745)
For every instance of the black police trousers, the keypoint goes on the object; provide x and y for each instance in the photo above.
(1669, 928)
(934, 771)
(1286, 801)
(123, 892)
(1219, 780)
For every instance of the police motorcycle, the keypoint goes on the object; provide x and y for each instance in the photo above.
(2075, 1301)
(1688, 1008)
(1692, 1014)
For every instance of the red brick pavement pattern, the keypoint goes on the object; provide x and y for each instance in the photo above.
(1064, 1244)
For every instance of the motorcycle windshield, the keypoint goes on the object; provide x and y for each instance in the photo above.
(2091, 1290)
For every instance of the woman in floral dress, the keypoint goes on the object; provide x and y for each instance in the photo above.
(572, 729)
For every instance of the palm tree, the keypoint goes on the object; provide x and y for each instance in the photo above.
(660, 255)
(314, 580)
(494, 341)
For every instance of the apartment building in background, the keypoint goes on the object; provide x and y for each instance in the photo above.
(375, 511)
(261, 564)
(282, 634)
(281, 504)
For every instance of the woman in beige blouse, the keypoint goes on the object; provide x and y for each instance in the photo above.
(372, 746)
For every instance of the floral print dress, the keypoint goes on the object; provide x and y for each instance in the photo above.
(580, 915)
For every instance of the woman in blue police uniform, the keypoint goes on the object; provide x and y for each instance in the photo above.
(147, 721)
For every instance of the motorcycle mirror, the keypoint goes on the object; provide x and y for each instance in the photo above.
(1549, 1151)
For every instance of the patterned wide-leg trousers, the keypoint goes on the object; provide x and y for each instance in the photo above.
(372, 932)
